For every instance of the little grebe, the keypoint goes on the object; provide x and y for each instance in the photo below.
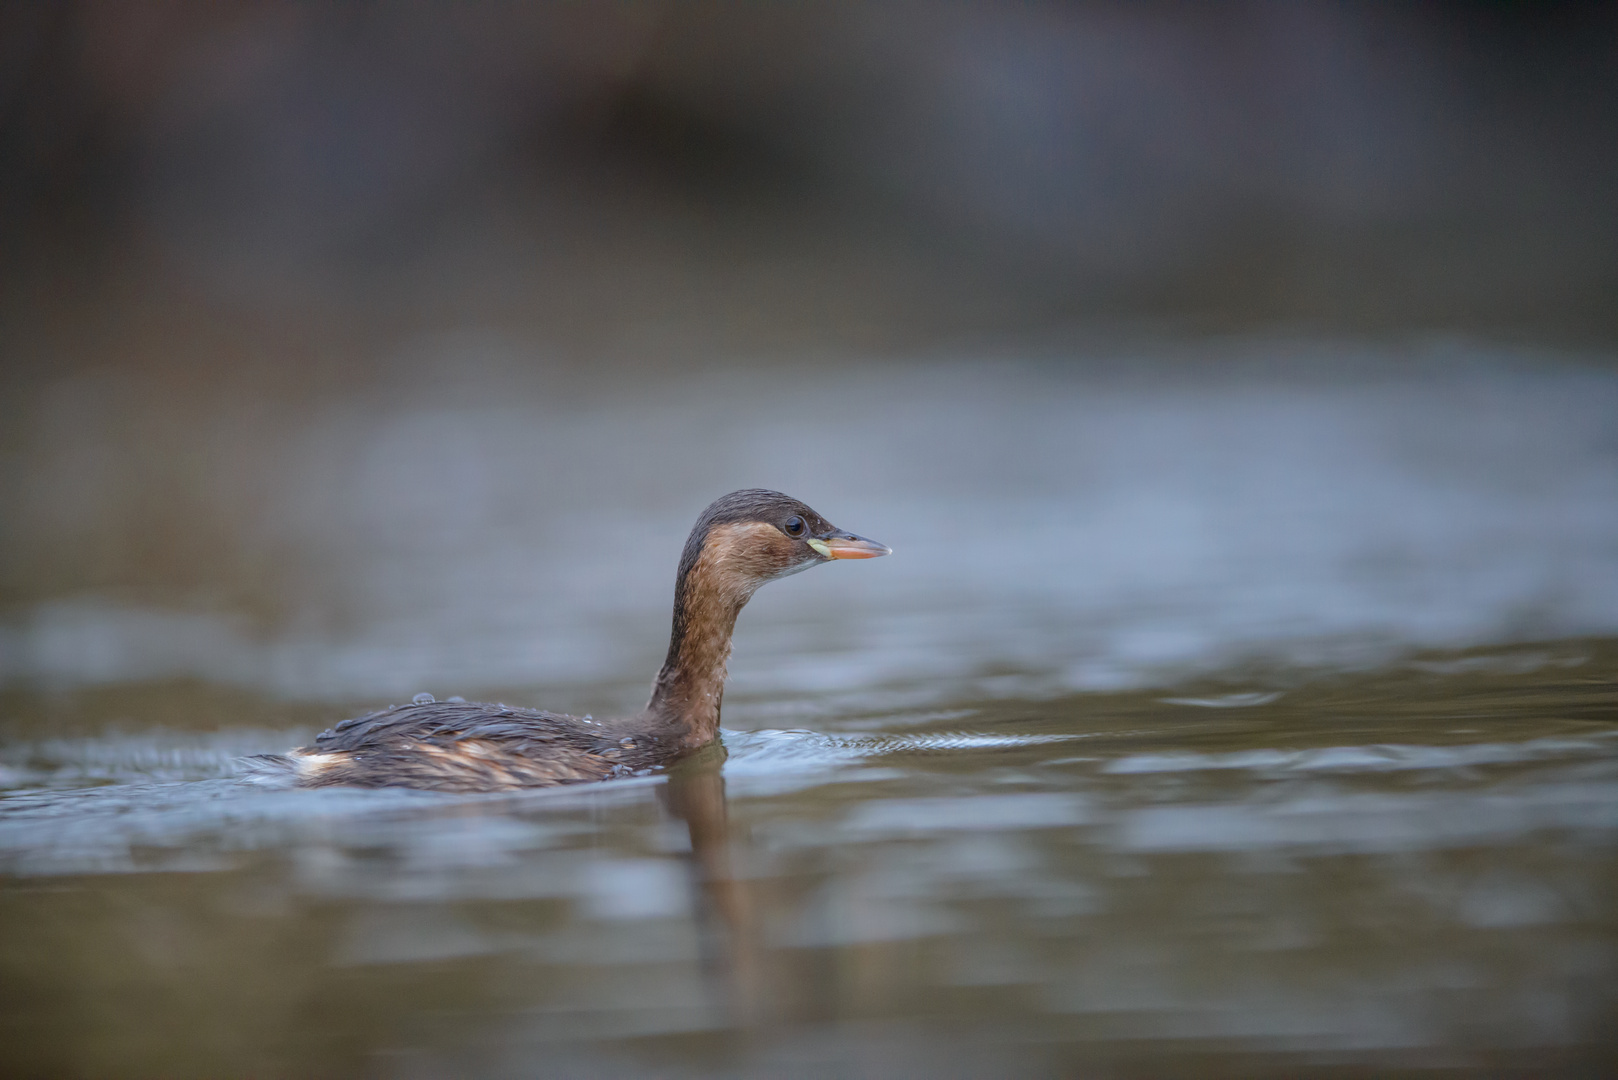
(739, 543)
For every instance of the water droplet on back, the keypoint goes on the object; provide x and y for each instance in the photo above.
(423, 699)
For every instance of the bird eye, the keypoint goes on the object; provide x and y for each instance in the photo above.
(794, 526)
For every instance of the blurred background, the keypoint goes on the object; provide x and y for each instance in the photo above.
(666, 179)
(1222, 351)
(321, 320)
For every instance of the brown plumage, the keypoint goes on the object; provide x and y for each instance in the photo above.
(739, 542)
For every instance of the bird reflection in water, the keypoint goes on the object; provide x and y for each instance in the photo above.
(726, 923)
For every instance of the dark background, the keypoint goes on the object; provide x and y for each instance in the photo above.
(640, 181)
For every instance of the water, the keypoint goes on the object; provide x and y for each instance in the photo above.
(1407, 869)
(1264, 724)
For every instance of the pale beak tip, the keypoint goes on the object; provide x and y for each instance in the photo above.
(849, 547)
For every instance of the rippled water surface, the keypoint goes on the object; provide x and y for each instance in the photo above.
(1265, 725)
(1408, 869)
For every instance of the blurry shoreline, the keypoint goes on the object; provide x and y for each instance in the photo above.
(657, 183)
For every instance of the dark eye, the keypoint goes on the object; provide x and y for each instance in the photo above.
(794, 526)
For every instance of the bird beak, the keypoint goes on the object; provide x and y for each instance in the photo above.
(848, 546)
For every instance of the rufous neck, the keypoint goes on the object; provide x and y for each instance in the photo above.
(691, 687)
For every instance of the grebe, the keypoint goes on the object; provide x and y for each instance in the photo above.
(739, 542)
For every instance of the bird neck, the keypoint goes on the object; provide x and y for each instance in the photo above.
(691, 686)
